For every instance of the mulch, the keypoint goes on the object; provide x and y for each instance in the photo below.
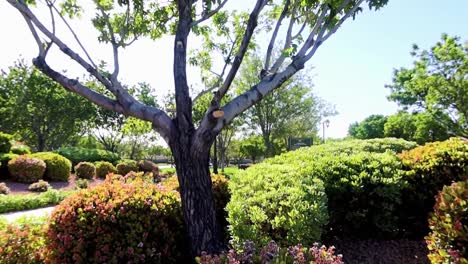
(381, 251)
(22, 188)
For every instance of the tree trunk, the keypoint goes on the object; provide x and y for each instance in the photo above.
(197, 199)
(215, 156)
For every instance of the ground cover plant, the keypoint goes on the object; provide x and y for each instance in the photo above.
(20, 202)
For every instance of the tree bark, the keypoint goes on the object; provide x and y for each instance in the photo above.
(215, 156)
(192, 166)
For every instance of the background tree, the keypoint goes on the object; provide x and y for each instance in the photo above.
(252, 147)
(437, 83)
(370, 127)
(33, 107)
(291, 110)
(307, 25)
(419, 127)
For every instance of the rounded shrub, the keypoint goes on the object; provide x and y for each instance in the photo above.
(40, 186)
(85, 170)
(103, 168)
(276, 202)
(148, 166)
(448, 240)
(4, 189)
(429, 168)
(58, 167)
(118, 222)
(126, 166)
(5, 142)
(26, 169)
(20, 149)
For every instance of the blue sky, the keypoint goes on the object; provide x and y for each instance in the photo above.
(350, 69)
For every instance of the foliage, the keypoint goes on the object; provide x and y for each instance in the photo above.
(40, 105)
(20, 149)
(85, 170)
(371, 127)
(252, 147)
(103, 168)
(448, 239)
(81, 183)
(39, 186)
(429, 168)
(126, 166)
(4, 188)
(436, 83)
(22, 243)
(4, 159)
(276, 202)
(26, 169)
(20, 202)
(363, 181)
(58, 167)
(272, 253)
(77, 155)
(137, 222)
(5, 142)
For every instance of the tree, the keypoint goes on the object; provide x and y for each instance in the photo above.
(371, 127)
(252, 147)
(308, 24)
(419, 127)
(437, 83)
(288, 111)
(33, 106)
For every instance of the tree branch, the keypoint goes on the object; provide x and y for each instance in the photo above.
(251, 25)
(275, 34)
(209, 14)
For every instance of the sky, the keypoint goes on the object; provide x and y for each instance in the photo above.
(350, 69)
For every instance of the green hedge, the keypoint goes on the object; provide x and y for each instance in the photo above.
(77, 155)
(19, 202)
(58, 167)
(4, 159)
(276, 202)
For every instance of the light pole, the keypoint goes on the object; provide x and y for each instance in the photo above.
(325, 123)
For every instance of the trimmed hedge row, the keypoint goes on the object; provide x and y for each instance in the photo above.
(76, 155)
(20, 202)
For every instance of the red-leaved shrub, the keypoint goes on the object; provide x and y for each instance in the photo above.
(22, 244)
(118, 222)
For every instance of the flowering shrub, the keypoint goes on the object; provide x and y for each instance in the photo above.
(22, 244)
(126, 166)
(103, 168)
(4, 189)
(118, 222)
(58, 167)
(26, 169)
(5, 142)
(40, 186)
(448, 240)
(276, 202)
(429, 168)
(85, 170)
(272, 253)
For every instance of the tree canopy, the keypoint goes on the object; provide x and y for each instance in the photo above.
(437, 83)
